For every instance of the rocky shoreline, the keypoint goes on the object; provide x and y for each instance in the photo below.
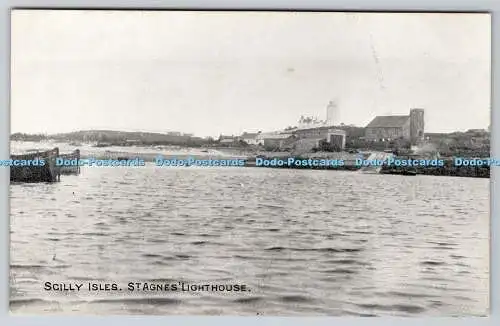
(250, 156)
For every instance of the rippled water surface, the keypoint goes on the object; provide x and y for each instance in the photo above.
(304, 242)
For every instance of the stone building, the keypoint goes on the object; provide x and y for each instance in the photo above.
(250, 138)
(278, 141)
(310, 138)
(386, 128)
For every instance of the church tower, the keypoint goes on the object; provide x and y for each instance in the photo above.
(416, 126)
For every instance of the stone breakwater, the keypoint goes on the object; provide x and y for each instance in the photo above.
(313, 161)
(348, 161)
(448, 169)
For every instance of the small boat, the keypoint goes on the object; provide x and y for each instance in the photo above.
(407, 172)
(101, 144)
(29, 168)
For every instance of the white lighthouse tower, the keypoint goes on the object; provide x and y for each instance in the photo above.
(331, 113)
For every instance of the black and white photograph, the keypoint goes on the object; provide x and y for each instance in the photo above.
(250, 163)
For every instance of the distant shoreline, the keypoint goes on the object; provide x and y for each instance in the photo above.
(149, 154)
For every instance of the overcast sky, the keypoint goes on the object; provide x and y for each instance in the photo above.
(219, 72)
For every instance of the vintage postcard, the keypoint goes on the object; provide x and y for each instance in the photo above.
(250, 163)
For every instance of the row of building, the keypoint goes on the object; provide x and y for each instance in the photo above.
(305, 137)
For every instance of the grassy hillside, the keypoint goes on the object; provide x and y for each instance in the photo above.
(115, 137)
